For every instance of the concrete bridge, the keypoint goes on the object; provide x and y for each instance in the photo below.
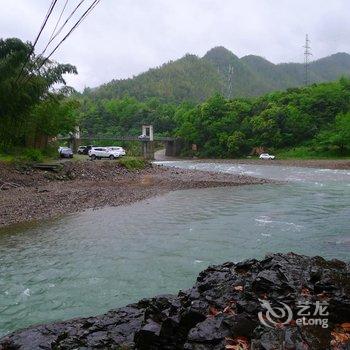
(172, 145)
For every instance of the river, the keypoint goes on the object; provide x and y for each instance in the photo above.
(85, 264)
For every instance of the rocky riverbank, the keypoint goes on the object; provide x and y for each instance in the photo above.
(225, 309)
(28, 194)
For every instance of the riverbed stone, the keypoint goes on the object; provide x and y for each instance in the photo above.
(220, 310)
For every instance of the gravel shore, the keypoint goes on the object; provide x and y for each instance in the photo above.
(29, 194)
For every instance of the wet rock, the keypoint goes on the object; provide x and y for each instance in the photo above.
(223, 308)
(212, 330)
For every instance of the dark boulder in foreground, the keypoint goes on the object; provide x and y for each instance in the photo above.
(226, 309)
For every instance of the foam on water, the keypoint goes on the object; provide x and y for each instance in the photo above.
(85, 264)
(274, 172)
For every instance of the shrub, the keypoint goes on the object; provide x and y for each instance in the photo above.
(133, 163)
(33, 155)
(50, 151)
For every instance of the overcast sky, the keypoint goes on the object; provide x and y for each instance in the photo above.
(122, 38)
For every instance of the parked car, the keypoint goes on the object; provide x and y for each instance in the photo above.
(88, 148)
(266, 156)
(84, 149)
(117, 148)
(143, 137)
(65, 152)
(81, 149)
(103, 152)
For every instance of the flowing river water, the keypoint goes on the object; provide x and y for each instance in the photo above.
(85, 264)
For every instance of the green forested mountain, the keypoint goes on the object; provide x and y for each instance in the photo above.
(189, 78)
(194, 79)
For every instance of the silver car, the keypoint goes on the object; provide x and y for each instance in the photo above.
(65, 152)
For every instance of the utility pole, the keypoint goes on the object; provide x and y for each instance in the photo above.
(307, 54)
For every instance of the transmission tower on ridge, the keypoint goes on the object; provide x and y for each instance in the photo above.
(307, 54)
(230, 81)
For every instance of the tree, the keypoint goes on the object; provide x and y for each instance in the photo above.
(26, 80)
(236, 143)
(51, 117)
(342, 127)
(339, 135)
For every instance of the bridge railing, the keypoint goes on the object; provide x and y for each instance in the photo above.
(115, 138)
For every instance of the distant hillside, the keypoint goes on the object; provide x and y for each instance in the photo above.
(195, 79)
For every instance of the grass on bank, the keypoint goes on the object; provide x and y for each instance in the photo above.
(133, 163)
(27, 155)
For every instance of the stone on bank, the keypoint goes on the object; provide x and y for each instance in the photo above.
(254, 304)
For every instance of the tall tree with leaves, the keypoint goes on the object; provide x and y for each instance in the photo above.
(26, 81)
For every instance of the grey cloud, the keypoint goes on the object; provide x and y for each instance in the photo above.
(122, 38)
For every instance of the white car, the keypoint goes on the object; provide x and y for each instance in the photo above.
(144, 137)
(103, 152)
(120, 149)
(266, 156)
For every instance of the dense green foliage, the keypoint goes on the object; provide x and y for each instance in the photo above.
(31, 110)
(316, 118)
(189, 78)
(195, 79)
(125, 116)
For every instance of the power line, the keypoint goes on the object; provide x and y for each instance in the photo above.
(81, 19)
(307, 54)
(57, 23)
(53, 4)
(54, 36)
(48, 14)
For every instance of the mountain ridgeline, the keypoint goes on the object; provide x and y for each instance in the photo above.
(195, 79)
